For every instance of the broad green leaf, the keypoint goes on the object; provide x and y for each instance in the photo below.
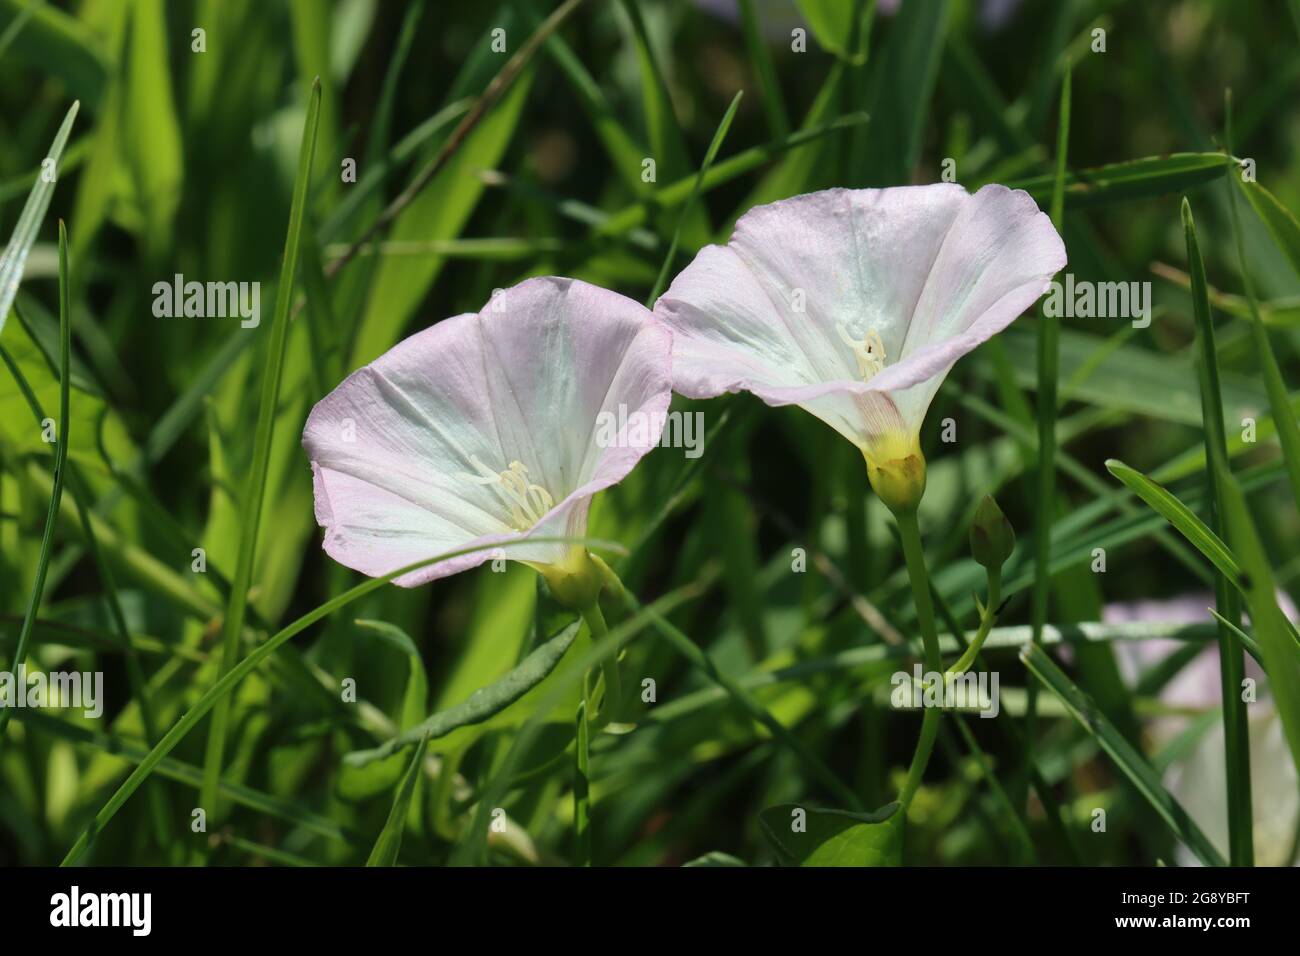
(806, 836)
(1133, 179)
(390, 838)
(29, 222)
(1131, 763)
(482, 704)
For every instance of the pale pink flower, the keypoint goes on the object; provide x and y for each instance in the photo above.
(483, 429)
(854, 304)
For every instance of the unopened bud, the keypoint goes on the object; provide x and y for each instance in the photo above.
(991, 536)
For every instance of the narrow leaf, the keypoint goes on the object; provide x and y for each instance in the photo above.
(29, 222)
(1126, 758)
(390, 837)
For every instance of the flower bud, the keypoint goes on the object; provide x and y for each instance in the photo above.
(575, 581)
(991, 536)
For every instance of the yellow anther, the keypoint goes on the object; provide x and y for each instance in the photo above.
(869, 351)
(527, 502)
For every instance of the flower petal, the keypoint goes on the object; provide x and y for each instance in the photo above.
(932, 270)
(405, 449)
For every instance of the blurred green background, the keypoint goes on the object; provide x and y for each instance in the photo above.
(183, 162)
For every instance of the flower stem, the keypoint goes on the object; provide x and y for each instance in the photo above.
(582, 791)
(910, 533)
(987, 620)
(582, 780)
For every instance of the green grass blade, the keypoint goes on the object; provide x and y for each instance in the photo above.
(390, 837)
(714, 145)
(1284, 417)
(1133, 179)
(902, 85)
(1272, 630)
(29, 222)
(256, 487)
(1196, 531)
(1049, 365)
(630, 217)
(778, 120)
(1131, 763)
(64, 429)
(1232, 664)
(225, 684)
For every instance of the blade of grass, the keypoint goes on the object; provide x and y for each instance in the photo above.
(390, 837)
(630, 217)
(64, 428)
(1126, 758)
(226, 683)
(29, 221)
(1049, 362)
(714, 145)
(1132, 179)
(82, 496)
(1272, 629)
(1284, 418)
(255, 491)
(1232, 663)
(778, 121)
(1164, 503)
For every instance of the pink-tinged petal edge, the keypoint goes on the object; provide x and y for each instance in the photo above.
(648, 354)
(694, 380)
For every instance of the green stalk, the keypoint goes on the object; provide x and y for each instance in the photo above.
(60, 469)
(256, 493)
(1049, 360)
(582, 790)
(910, 533)
(1232, 661)
(987, 620)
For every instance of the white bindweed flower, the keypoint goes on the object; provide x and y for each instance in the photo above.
(854, 305)
(484, 429)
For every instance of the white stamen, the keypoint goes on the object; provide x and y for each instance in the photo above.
(869, 351)
(527, 502)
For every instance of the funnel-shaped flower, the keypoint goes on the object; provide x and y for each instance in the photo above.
(854, 304)
(489, 428)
